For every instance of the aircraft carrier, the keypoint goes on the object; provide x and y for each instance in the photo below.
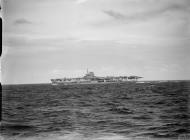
(90, 78)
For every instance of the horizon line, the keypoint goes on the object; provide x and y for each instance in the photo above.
(50, 82)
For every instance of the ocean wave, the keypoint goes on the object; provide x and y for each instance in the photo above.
(119, 110)
(77, 136)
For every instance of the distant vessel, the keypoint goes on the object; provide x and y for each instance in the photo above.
(90, 78)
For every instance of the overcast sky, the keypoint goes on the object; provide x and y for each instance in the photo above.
(44, 39)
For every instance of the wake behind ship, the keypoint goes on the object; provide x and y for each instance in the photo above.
(90, 78)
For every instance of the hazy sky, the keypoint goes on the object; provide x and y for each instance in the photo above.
(44, 39)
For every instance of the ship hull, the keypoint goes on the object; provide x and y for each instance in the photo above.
(90, 83)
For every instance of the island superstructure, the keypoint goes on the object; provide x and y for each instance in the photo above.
(90, 78)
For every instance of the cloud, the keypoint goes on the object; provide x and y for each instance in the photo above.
(148, 14)
(115, 14)
(28, 41)
(81, 1)
(22, 21)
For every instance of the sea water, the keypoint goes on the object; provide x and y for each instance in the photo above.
(117, 111)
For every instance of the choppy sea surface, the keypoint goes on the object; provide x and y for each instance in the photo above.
(117, 111)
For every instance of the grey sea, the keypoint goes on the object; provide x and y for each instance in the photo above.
(117, 111)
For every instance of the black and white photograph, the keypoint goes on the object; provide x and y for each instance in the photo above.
(95, 70)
